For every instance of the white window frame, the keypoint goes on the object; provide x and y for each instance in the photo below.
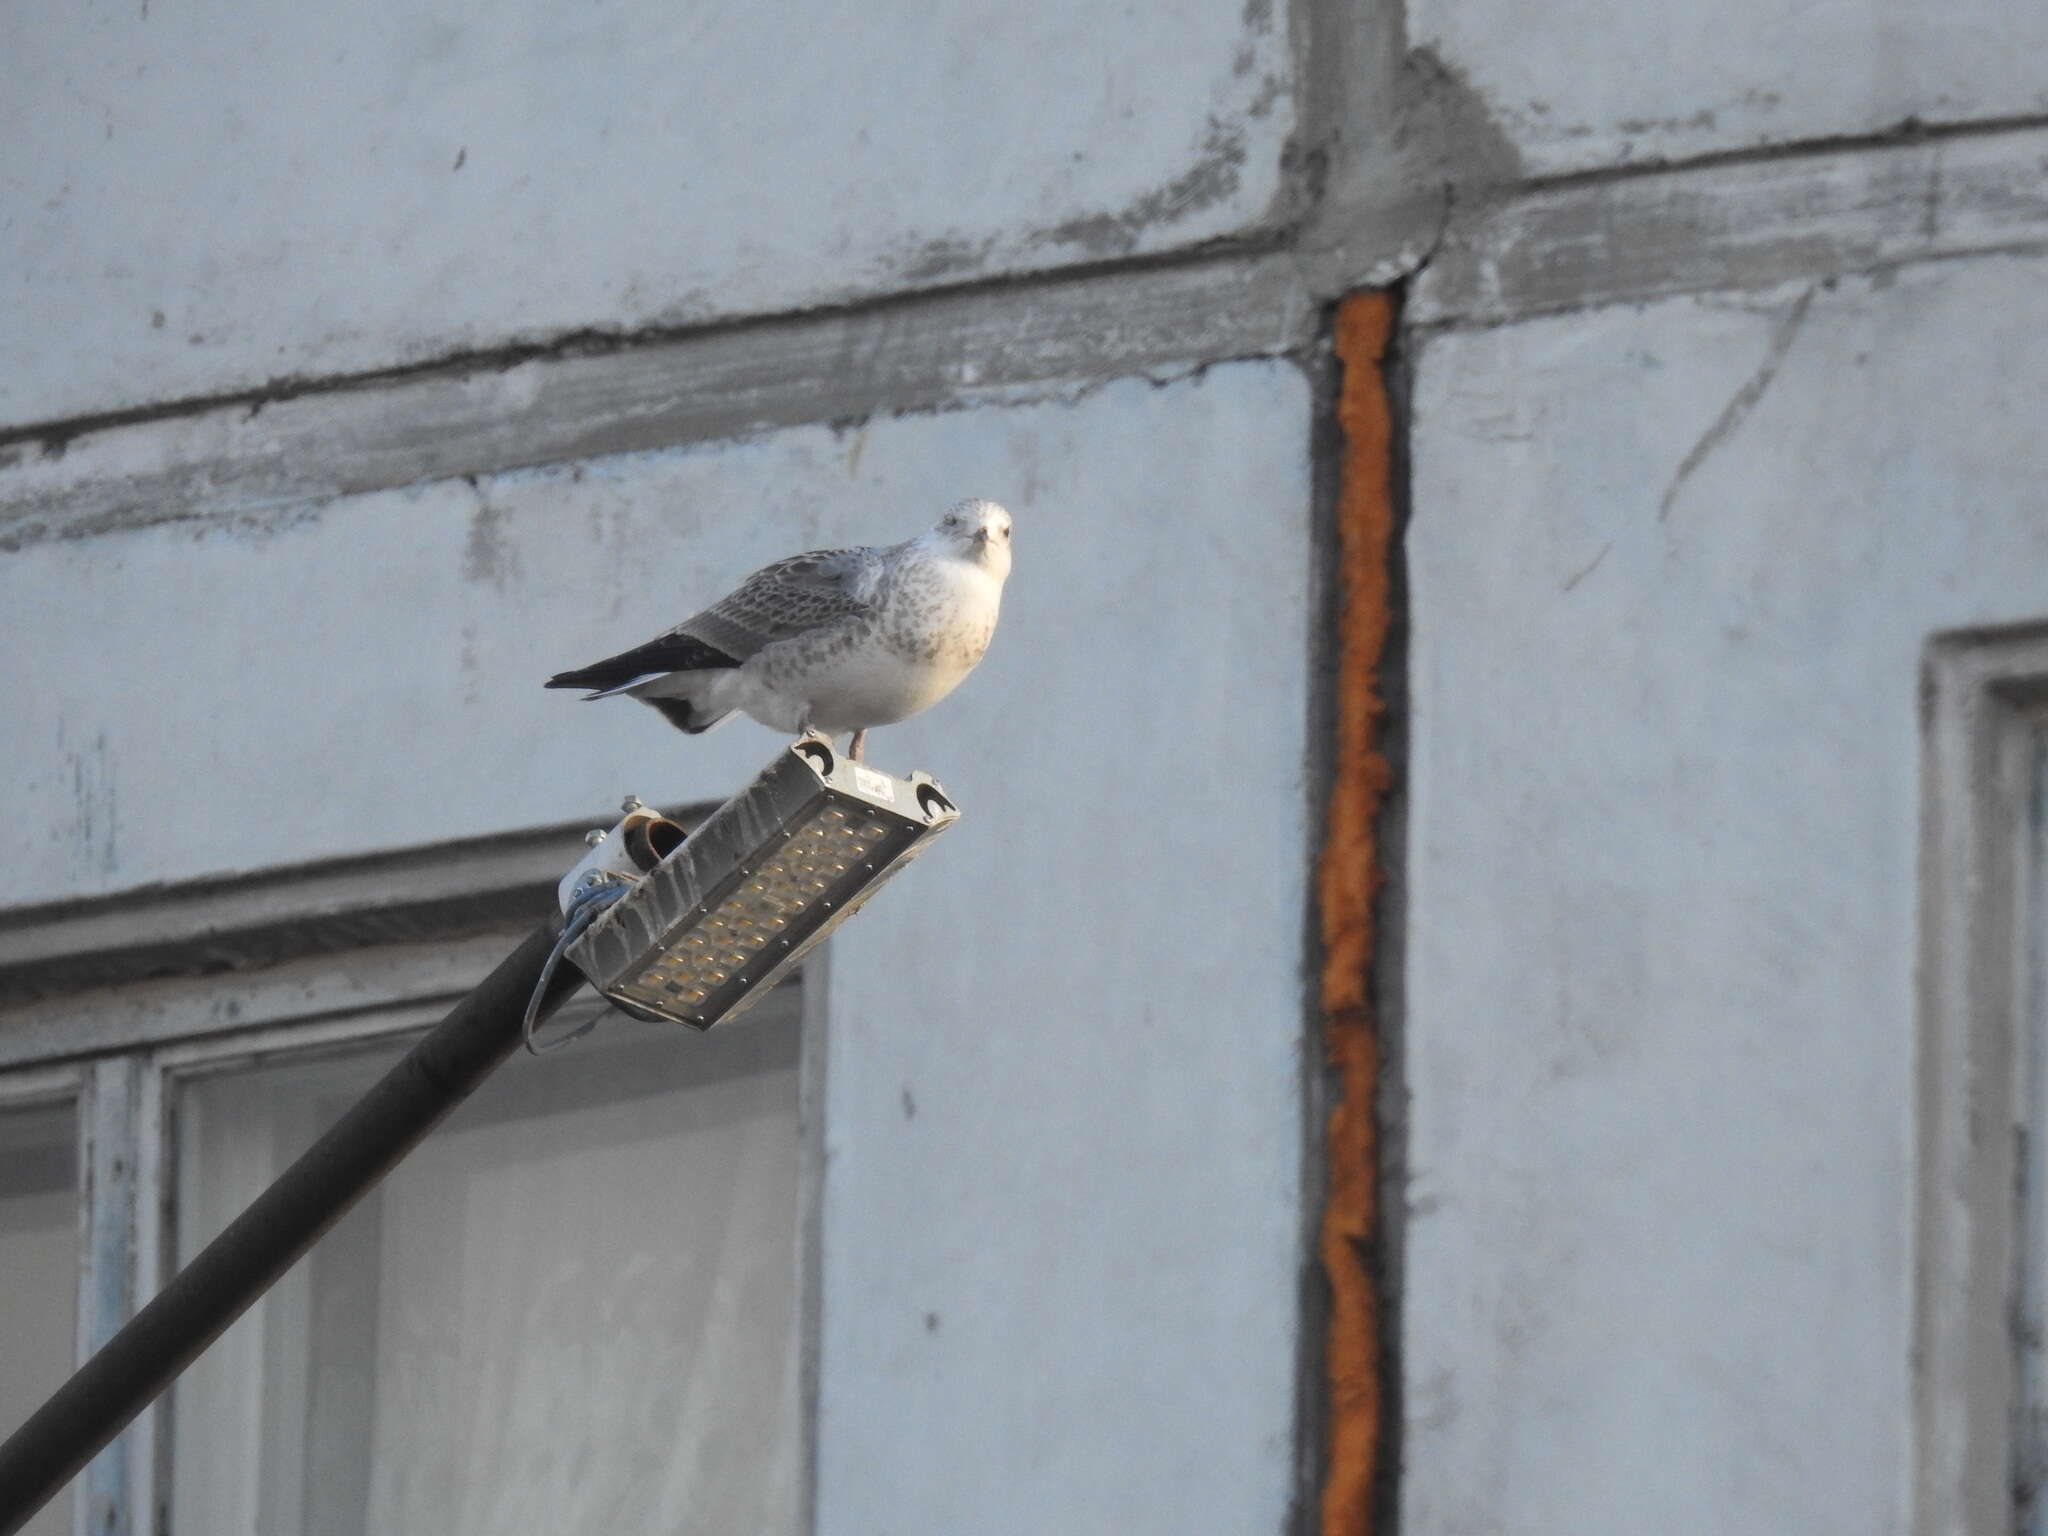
(1985, 717)
(107, 1004)
(71, 1085)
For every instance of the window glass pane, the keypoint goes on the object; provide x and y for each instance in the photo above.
(38, 1271)
(573, 1309)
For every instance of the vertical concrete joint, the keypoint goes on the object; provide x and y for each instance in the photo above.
(1347, 879)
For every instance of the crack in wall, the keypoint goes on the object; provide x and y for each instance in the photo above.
(1740, 404)
(1571, 583)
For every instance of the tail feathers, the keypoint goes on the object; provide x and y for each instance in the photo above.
(601, 679)
(606, 691)
(691, 697)
(672, 652)
(686, 716)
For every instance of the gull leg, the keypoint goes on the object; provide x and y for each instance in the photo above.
(857, 748)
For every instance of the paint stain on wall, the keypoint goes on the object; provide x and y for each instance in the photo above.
(1215, 176)
(1347, 879)
(95, 803)
(488, 555)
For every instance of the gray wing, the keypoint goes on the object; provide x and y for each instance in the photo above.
(788, 598)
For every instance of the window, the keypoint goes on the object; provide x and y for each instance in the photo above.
(39, 1237)
(574, 1308)
(1982, 1277)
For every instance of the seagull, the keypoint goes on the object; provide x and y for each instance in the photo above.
(828, 642)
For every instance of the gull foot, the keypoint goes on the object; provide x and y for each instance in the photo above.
(857, 748)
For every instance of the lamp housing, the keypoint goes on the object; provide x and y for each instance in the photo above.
(725, 916)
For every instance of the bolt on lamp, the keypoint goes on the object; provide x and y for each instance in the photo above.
(704, 925)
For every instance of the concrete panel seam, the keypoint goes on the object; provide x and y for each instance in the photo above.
(600, 341)
(1002, 344)
(1737, 223)
(1907, 131)
(1347, 880)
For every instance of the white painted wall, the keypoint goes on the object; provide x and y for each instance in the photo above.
(1673, 571)
(1060, 1295)
(1580, 84)
(200, 197)
(1062, 1208)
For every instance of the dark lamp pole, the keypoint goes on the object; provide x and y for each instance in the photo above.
(237, 1267)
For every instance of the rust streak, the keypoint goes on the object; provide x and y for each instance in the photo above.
(1346, 882)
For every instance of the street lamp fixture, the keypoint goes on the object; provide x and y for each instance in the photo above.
(724, 914)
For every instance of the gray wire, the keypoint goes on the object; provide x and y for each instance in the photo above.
(584, 909)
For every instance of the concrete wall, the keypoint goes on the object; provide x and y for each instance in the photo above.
(362, 372)
(1675, 569)
(220, 195)
(1593, 84)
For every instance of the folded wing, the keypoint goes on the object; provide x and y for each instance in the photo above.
(777, 602)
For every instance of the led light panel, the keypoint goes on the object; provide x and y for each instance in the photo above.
(766, 876)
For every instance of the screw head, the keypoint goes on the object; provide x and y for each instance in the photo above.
(593, 837)
(631, 804)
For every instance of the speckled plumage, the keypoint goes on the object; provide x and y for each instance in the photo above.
(836, 640)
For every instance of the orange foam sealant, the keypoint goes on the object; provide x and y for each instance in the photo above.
(1347, 878)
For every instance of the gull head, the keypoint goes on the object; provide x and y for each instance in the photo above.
(978, 531)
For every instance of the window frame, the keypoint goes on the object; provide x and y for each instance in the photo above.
(1981, 976)
(108, 1003)
(72, 1085)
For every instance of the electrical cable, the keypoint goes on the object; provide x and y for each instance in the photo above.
(584, 909)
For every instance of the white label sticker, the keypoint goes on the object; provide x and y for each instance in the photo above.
(872, 783)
